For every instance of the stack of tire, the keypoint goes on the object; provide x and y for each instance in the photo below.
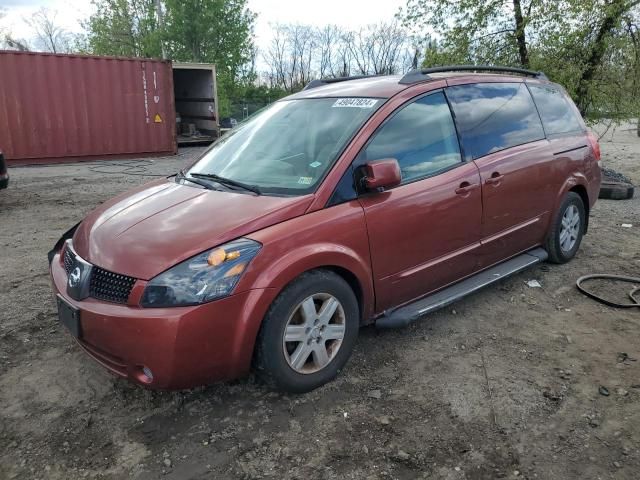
(615, 186)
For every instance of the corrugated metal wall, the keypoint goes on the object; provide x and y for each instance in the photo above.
(53, 107)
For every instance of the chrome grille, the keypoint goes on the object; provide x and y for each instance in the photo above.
(109, 286)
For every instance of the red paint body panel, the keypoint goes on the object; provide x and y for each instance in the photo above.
(332, 237)
(164, 223)
(392, 247)
(423, 235)
(63, 106)
(513, 219)
(182, 346)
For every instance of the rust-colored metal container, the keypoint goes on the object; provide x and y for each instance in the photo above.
(72, 107)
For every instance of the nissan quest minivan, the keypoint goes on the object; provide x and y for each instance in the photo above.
(355, 201)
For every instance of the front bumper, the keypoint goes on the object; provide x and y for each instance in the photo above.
(183, 347)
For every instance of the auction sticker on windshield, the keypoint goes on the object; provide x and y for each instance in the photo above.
(355, 103)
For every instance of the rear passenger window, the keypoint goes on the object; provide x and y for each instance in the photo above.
(421, 136)
(558, 115)
(494, 116)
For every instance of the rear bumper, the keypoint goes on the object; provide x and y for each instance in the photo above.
(183, 347)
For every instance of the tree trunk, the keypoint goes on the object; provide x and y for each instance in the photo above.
(612, 16)
(521, 37)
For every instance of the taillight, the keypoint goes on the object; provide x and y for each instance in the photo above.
(595, 146)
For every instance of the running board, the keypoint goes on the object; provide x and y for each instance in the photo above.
(403, 316)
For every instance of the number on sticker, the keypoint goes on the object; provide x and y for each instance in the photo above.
(355, 103)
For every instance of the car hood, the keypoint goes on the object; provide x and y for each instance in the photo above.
(148, 230)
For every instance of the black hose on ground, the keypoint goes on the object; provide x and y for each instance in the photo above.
(620, 278)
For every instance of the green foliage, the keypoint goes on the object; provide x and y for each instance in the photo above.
(209, 31)
(586, 45)
(246, 98)
(126, 28)
(202, 31)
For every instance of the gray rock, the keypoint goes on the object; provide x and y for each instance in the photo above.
(377, 394)
(402, 455)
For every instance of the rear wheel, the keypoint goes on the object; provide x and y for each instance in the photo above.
(567, 229)
(308, 333)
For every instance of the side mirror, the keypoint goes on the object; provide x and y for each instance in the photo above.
(382, 174)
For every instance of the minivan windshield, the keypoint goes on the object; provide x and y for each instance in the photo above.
(288, 147)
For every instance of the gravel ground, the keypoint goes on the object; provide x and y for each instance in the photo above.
(504, 384)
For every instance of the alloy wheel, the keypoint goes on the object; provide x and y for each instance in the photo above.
(314, 333)
(570, 228)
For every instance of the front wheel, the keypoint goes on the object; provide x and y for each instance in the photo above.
(308, 333)
(567, 229)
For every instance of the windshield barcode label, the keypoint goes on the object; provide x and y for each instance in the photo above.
(355, 103)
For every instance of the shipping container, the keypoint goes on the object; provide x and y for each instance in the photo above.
(74, 107)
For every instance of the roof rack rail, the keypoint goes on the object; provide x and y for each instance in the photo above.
(421, 75)
(328, 81)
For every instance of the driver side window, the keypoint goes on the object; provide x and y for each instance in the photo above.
(421, 136)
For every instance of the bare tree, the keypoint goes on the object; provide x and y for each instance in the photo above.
(379, 49)
(291, 56)
(300, 53)
(49, 36)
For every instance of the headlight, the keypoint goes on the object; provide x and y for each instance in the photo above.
(208, 276)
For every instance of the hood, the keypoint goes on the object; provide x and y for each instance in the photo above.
(148, 230)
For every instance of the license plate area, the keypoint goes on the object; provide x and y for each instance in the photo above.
(69, 316)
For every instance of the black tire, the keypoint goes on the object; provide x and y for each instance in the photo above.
(616, 190)
(556, 253)
(270, 362)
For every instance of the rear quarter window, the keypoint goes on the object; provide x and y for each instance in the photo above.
(557, 112)
(494, 116)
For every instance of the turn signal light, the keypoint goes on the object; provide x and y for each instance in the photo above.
(219, 256)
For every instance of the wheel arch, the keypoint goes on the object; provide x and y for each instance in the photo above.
(576, 183)
(584, 195)
(338, 259)
(353, 282)
(270, 277)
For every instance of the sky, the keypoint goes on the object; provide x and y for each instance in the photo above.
(347, 13)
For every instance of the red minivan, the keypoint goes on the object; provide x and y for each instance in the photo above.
(355, 201)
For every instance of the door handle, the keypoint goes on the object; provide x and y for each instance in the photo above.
(465, 187)
(495, 179)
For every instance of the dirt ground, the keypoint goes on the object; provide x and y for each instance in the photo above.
(503, 384)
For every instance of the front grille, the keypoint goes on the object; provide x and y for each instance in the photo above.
(68, 260)
(109, 286)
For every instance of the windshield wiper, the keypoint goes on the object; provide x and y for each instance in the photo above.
(228, 181)
(181, 176)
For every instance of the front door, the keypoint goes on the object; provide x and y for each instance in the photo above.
(425, 233)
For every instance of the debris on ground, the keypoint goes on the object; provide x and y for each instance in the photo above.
(604, 391)
(533, 284)
(376, 394)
